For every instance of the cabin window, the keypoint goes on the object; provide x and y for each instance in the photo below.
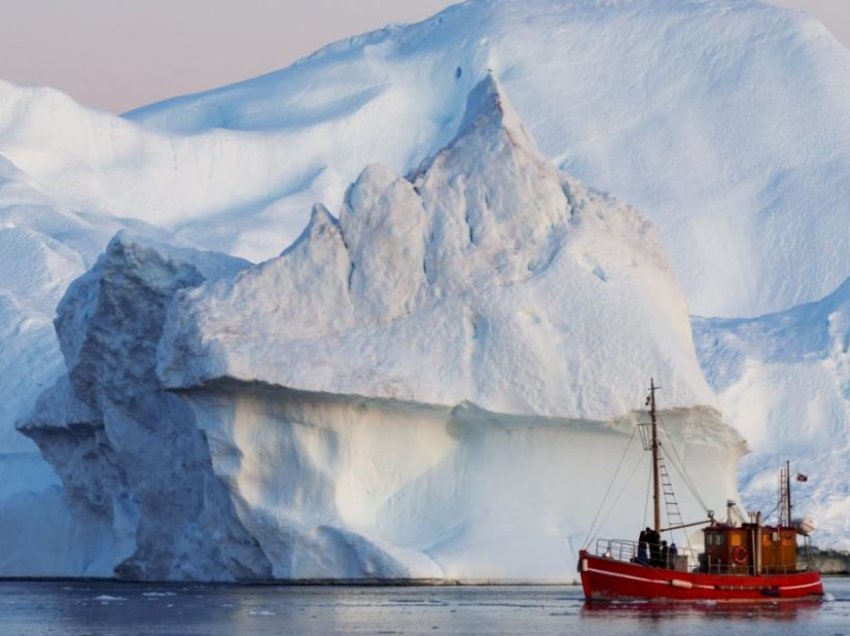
(715, 538)
(734, 540)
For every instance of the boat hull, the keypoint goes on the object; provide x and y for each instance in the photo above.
(607, 579)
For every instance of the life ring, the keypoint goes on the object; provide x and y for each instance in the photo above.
(740, 555)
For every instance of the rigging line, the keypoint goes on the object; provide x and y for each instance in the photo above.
(642, 416)
(677, 460)
(646, 502)
(676, 464)
(768, 515)
(592, 527)
(679, 465)
(687, 540)
(619, 496)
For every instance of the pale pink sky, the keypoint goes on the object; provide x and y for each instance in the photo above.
(121, 54)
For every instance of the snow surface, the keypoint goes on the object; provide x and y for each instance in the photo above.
(418, 389)
(784, 382)
(724, 121)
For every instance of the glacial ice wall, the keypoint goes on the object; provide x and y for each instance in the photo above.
(421, 388)
(336, 486)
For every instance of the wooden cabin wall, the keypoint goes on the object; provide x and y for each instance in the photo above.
(739, 538)
(779, 549)
(771, 557)
(788, 548)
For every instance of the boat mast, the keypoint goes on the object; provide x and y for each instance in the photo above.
(656, 486)
(788, 491)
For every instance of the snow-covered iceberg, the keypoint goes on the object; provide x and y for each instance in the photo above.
(437, 384)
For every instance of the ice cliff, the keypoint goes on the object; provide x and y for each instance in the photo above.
(128, 453)
(420, 388)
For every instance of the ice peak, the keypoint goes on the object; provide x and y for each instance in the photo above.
(490, 133)
(321, 222)
(488, 105)
(320, 215)
(494, 196)
(487, 96)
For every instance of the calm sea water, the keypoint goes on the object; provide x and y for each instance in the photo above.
(76, 609)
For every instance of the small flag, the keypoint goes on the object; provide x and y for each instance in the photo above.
(802, 477)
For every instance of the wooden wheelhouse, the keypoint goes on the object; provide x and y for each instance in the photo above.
(749, 549)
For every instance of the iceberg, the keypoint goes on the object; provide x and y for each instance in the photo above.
(723, 121)
(421, 388)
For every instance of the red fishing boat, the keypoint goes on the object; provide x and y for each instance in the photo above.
(740, 562)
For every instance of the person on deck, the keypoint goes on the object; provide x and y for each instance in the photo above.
(654, 541)
(642, 556)
(674, 555)
(665, 556)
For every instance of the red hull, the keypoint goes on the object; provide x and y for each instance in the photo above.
(608, 579)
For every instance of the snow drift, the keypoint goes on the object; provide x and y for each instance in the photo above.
(417, 389)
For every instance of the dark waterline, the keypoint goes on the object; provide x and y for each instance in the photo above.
(83, 608)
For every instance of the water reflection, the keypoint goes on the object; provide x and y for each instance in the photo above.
(704, 613)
